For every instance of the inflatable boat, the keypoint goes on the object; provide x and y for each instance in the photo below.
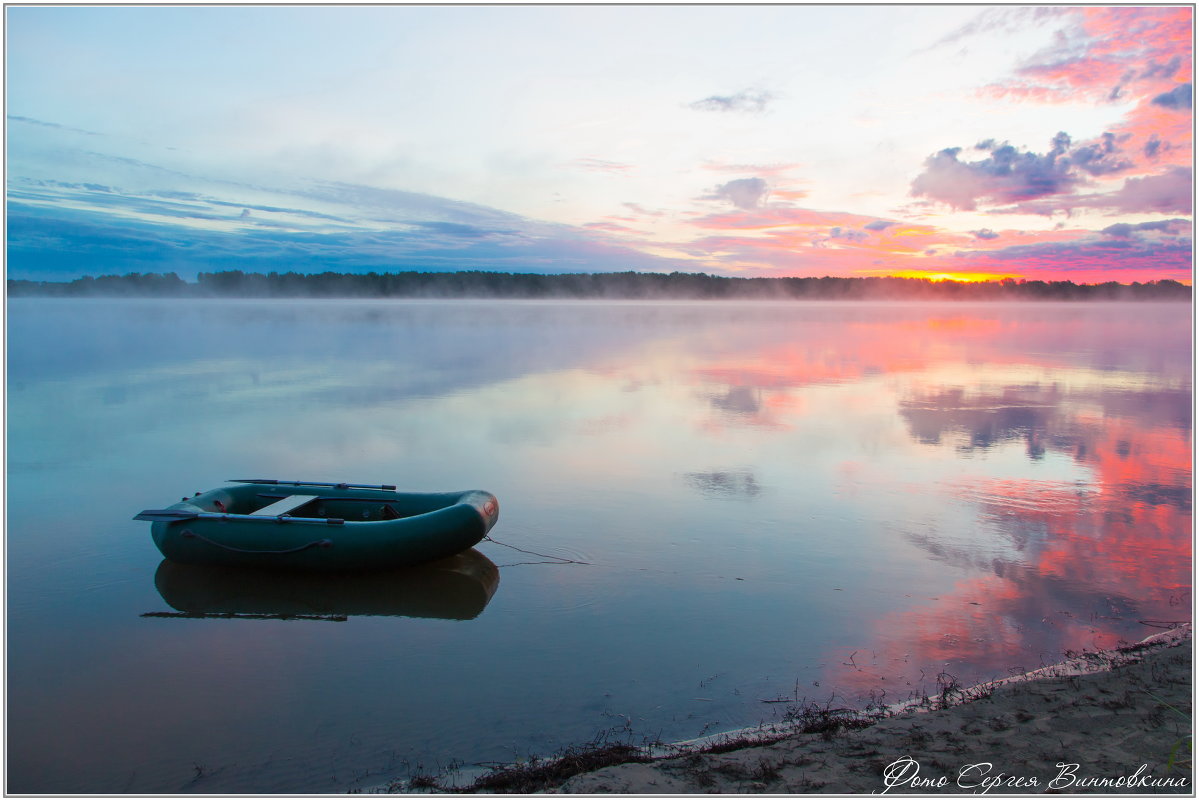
(304, 525)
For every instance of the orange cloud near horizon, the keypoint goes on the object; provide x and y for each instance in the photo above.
(803, 242)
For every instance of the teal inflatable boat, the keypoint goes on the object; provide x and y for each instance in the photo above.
(303, 525)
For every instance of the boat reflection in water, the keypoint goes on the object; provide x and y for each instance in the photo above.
(455, 588)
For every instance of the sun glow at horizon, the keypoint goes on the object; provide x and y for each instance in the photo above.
(939, 276)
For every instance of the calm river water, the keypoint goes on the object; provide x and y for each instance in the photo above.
(728, 503)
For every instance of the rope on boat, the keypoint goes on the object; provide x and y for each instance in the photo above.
(313, 544)
(559, 559)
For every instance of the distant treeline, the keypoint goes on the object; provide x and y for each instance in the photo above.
(626, 285)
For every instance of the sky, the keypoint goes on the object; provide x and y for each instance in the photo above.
(969, 142)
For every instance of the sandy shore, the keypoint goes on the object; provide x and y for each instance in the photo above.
(1116, 722)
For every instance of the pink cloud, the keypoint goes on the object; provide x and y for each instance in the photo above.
(1125, 54)
(1168, 192)
(823, 243)
(1162, 135)
(1141, 256)
(1107, 52)
(788, 195)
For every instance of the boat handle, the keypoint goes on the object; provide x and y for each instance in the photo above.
(187, 532)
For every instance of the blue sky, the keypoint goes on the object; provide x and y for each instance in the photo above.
(761, 140)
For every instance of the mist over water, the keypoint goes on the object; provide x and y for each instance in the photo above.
(734, 502)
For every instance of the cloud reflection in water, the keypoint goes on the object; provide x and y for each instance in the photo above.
(1087, 555)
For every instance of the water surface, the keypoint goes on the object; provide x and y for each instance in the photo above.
(725, 503)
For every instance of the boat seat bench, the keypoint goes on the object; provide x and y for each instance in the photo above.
(282, 507)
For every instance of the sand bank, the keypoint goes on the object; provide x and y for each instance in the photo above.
(1113, 722)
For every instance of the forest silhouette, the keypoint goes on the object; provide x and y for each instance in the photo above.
(614, 286)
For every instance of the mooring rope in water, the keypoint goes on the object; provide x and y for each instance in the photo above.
(559, 559)
(248, 616)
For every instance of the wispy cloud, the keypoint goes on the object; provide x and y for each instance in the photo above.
(776, 217)
(56, 242)
(612, 227)
(1107, 53)
(996, 20)
(747, 101)
(600, 165)
(1127, 230)
(60, 230)
(848, 234)
(55, 125)
(772, 169)
(640, 210)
